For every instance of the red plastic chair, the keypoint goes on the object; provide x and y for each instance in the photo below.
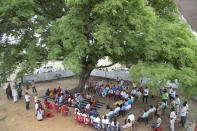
(90, 121)
(158, 128)
(83, 120)
(64, 110)
(77, 118)
(56, 108)
(50, 106)
(45, 113)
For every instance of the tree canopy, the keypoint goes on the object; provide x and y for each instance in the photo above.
(80, 32)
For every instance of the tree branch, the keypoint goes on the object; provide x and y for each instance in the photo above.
(105, 66)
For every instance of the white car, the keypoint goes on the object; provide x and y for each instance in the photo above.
(44, 69)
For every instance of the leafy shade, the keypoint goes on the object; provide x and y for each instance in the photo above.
(157, 74)
(172, 54)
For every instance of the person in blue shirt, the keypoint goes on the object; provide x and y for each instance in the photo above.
(93, 112)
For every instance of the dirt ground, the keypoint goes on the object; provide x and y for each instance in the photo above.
(14, 117)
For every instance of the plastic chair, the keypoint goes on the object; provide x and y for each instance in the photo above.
(50, 107)
(158, 128)
(83, 120)
(56, 108)
(77, 118)
(64, 110)
(45, 113)
(90, 121)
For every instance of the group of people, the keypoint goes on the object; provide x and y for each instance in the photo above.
(120, 91)
(14, 92)
(103, 122)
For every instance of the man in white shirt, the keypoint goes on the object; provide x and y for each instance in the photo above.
(97, 123)
(131, 117)
(144, 115)
(183, 114)
(172, 119)
(105, 122)
(151, 110)
(177, 104)
(27, 99)
(117, 109)
(145, 96)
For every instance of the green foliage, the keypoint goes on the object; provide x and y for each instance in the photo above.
(145, 33)
(172, 54)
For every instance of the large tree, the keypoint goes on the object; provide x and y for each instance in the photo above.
(80, 32)
(174, 54)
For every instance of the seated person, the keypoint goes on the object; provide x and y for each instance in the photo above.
(47, 93)
(131, 117)
(46, 103)
(59, 89)
(73, 102)
(52, 96)
(158, 122)
(111, 113)
(117, 109)
(124, 95)
(114, 88)
(78, 105)
(144, 115)
(86, 119)
(115, 125)
(93, 101)
(117, 94)
(93, 112)
(55, 91)
(123, 110)
(133, 91)
(87, 108)
(61, 99)
(151, 110)
(111, 92)
(105, 92)
(123, 87)
(127, 125)
(97, 122)
(105, 121)
(88, 96)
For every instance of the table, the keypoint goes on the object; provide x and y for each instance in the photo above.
(120, 102)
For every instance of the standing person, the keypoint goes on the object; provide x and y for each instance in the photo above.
(169, 93)
(187, 110)
(183, 114)
(9, 92)
(172, 119)
(15, 93)
(27, 99)
(33, 87)
(165, 96)
(177, 104)
(145, 96)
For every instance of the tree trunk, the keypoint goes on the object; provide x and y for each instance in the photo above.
(84, 77)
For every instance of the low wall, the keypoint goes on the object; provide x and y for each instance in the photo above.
(48, 76)
(67, 73)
